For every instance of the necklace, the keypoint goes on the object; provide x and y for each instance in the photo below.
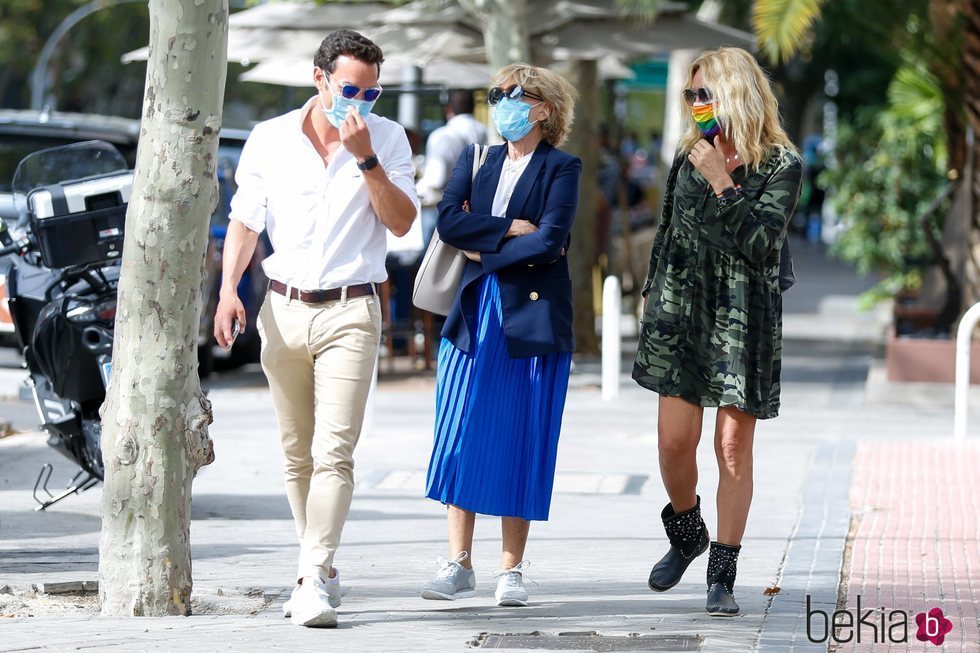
(731, 158)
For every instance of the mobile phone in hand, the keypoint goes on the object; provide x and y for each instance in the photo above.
(236, 328)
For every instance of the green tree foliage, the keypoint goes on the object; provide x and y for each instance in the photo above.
(890, 167)
(781, 25)
(86, 72)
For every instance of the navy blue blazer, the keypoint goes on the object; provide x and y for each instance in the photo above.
(535, 288)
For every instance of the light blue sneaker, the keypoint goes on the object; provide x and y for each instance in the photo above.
(510, 586)
(452, 581)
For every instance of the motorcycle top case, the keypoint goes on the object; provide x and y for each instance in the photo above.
(81, 222)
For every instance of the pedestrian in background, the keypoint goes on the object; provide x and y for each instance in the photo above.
(712, 323)
(507, 342)
(327, 181)
(442, 151)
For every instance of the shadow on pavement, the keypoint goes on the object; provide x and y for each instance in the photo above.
(20, 524)
(275, 506)
(53, 561)
(609, 606)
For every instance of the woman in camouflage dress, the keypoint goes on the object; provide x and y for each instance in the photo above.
(712, 320)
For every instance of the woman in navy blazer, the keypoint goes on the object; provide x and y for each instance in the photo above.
(507, 342)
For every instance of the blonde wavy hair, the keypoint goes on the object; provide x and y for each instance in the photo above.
(556, 91)
(744, 104)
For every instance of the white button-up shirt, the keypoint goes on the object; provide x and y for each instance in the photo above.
(442, 151)
(323, 228)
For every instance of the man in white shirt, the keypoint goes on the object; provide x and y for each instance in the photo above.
(326, 181)
(442, 151)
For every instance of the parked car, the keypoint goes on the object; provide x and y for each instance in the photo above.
(251, 288)
(23, 132)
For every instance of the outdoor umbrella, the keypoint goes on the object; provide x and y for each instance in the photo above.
(299, 72)
(282, 28)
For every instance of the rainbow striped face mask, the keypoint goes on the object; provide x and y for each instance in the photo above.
(708, 124)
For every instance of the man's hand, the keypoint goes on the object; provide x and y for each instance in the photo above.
(355, 136)
(520, 228)
(230, 308)
(710, 162)
(473, 256)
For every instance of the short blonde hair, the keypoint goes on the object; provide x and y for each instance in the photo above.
(556, 91)
(746, 106)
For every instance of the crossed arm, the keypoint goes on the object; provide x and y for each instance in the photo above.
(500, 242)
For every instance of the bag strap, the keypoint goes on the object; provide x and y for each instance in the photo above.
(479, 156)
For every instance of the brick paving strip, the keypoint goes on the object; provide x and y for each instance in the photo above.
(916, 541)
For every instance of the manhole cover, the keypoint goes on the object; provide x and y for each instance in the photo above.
(591, 641)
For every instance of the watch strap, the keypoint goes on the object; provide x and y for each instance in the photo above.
(368, 163)
(730, 192)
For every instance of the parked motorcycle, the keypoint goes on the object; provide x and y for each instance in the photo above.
(62, 293)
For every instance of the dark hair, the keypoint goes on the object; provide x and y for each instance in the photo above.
(461, 102)
(350, 43)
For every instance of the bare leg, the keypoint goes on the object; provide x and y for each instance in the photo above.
(461, 524)
(734, 434)
(514, 534)
(679, 431)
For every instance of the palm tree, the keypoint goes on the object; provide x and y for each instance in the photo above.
(971, 65)
(783, 26)
(952, 53)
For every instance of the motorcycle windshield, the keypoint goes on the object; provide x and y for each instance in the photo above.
(62, 164)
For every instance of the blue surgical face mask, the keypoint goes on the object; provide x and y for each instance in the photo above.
(510, 119)
(338, 111)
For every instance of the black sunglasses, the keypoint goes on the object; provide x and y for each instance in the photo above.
(349, 91)
(702, 95)
(515, 92)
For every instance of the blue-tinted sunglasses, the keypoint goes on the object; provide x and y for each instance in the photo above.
(349, 92)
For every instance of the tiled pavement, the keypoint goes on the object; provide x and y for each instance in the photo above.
(917, 543)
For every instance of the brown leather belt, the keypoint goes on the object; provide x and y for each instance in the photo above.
(321, 296)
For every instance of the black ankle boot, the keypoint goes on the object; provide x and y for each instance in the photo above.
(688, 539)
(722, 565)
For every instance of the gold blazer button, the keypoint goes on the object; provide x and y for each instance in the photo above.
(533, 296)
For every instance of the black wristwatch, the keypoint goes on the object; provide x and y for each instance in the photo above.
(368, 163)
(729, 193)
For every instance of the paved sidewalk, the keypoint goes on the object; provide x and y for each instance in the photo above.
(814, 466)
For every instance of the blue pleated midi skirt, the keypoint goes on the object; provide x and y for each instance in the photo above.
(497, 422)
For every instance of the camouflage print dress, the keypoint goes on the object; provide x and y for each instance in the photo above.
(712, 329)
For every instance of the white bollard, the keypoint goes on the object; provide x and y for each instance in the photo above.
(961, 400)
(611, 340)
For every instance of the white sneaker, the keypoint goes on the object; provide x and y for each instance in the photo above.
(510, 586)
(453, 581)
(310, 606)
(334, 594)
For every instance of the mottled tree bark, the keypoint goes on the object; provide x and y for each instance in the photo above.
(505, 29)
(155, 419)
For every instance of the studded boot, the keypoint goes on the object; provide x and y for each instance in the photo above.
(688, 538)
(722, 565)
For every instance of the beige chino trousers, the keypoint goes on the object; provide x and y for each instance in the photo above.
(320, 361)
